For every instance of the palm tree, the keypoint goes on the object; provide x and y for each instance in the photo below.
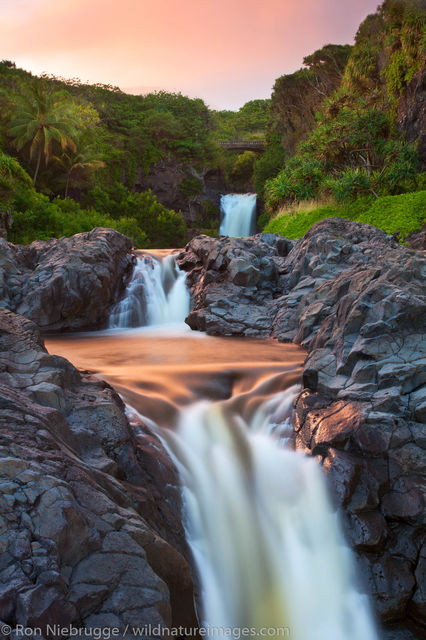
(42, 118)
(83, 159)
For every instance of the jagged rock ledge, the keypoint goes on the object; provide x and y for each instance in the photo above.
(355, 300)
(90, 524)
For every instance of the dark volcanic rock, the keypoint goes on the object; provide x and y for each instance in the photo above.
(355, 300)
(90, 530)
(65, 284)
(232, 281)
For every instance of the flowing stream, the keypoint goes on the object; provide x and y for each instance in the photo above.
(239, 214)
(266, 542)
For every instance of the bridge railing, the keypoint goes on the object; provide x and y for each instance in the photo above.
(242, 144)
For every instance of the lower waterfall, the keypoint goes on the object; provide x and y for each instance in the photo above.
(156, 294)
(266, 542)
(268, 550)
(239, 214)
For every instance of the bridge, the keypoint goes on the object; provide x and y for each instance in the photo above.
(243, 145)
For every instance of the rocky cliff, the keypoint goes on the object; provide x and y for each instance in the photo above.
(356, 300)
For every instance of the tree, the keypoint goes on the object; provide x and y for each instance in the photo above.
(42, 117)
(73, 161)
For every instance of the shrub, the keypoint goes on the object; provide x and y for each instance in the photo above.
(190, 186)
(350, 184)
(163, 227)
(400, 214)
(300, 180)
(36, 218)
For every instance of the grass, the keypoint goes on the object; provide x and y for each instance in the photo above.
(404, 213)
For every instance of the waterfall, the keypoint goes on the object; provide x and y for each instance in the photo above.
(266, 543)
(156, 294)
(239, 214)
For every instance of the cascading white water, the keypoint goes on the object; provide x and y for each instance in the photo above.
(156, 294)
(239, 214)
(266, 542)
(267, 545)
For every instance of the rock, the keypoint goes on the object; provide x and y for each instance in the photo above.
(232, 281)
(88, 530)
(6, 222)
(392, 582)
(417, 607)
(65, 284)
(417, 239)
(243, 273)
(355, 300)
(41, 606)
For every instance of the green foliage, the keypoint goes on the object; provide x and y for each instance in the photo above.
(400, 214)
(248, 123)
(352, 151)
(77, 129)
(268, 165)
(35, 217)
(350, 184)
(163, 227)
(263, 220)
(362, 73)
(404, 31)
(242, 170)
(130, 227)
(207, 221)
(356, 138)
(299, 181)
(297, 97)
(190, 186)
(296, 225)
(42, 118)
(12, 178)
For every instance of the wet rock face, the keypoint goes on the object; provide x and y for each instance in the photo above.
(66, 283)
(356, 301)
(90, 530)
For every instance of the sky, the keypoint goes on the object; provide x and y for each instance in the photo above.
(224, 51)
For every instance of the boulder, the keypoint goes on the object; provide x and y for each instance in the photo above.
(65, 283)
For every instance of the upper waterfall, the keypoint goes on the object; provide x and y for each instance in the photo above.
(239, 214)
(156, 294)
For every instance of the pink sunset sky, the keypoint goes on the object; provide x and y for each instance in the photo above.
(224, 51)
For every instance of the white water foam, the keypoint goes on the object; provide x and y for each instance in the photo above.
(266, 542)
(156, 295)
